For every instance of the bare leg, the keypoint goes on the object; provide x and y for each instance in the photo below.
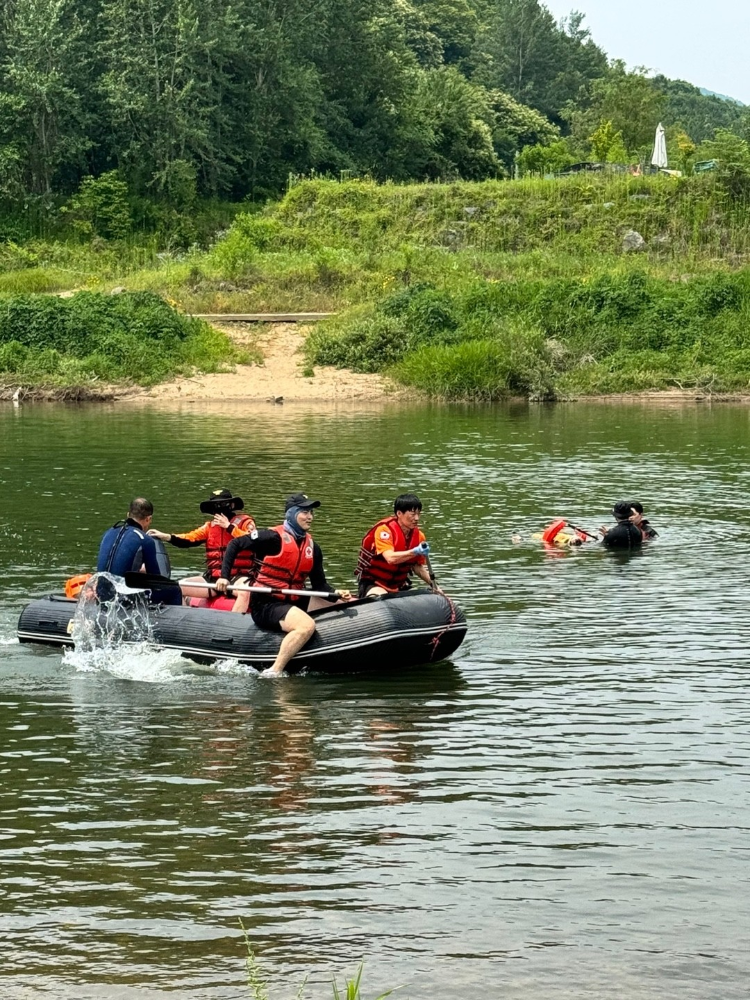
(300, 628)
(242, 598)
(189, 587)
(376, 591)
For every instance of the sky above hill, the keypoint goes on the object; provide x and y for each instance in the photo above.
(701, 41)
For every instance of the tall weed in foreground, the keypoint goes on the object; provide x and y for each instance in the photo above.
(258, 986)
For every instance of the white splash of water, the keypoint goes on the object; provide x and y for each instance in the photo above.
(136, 661)
(113, 634)
(233, 668)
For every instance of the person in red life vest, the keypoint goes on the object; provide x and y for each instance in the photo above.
(296, 559)
(392, 549)
(226, 523)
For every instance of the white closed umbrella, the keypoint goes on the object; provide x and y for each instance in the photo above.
(659, 156)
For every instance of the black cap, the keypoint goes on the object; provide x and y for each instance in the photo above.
(301, 500)
(221, 498)
(624, 509)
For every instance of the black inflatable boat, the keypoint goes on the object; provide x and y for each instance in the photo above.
(385, 635)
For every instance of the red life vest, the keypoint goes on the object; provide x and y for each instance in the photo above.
(216, 546)
(290, 568)
(372, 567)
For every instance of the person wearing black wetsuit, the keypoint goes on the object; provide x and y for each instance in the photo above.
(631, 528)
(126, 547)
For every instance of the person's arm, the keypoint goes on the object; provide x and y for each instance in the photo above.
(261, 543)
(384, 547)
(318, 577)
(246, 528)
(188, 540)
(424, 574)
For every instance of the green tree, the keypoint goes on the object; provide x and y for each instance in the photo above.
(700, 115)
(43, 121)
(626, 99)
(101, 207)
(544, 160)
(454, 22)
(522, 51)
(517, 126)
(733, 156)
(457, 123)
(606, 143)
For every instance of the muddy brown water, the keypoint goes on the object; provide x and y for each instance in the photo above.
(561, 810)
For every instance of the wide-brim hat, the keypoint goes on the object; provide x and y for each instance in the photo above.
(221, 498)
(623, 510)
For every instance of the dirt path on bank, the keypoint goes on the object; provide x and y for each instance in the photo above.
(281, 374)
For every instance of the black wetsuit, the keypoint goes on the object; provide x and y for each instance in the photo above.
(624, 535)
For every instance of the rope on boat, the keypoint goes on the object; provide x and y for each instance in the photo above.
(435, 643)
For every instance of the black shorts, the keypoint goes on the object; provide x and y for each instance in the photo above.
(269, 615)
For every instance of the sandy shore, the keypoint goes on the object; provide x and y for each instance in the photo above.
(279, 378)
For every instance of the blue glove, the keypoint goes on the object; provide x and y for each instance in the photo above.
(422, 549)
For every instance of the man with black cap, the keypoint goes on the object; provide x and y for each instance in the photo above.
(226, 523)
(631, 529)
(294, 558)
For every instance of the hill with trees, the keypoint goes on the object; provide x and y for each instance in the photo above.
(190, 100)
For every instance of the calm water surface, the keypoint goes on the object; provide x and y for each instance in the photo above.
(562, 810)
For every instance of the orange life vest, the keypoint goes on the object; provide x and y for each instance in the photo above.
(75, 584)
(216, 546)
(551, 531)
(290, 568)
(373, 567)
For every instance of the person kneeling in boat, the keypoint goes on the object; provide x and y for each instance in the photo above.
(126, 547)
(296, 558)
(392, 549)
(631, 528)
(226, 523)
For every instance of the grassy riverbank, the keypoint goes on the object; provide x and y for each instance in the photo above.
(80, 347)
(469, 290)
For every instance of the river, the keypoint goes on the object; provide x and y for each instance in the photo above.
(562, 810)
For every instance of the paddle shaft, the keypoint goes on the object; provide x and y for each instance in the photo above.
(586, 533)
(266, 590)
(430, 570)
(146, 581)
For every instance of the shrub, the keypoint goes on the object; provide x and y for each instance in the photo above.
(486, 370)
(133, 337)
(101, 207)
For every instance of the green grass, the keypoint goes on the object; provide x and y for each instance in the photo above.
(68, 346)
(620, 331)
(465, 290)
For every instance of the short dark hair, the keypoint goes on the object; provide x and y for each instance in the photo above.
(405, 502)
(623, 509)
(140, 509)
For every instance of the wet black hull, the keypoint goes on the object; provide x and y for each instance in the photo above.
(386, 635)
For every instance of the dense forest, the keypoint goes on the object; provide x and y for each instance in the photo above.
(186, 99)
